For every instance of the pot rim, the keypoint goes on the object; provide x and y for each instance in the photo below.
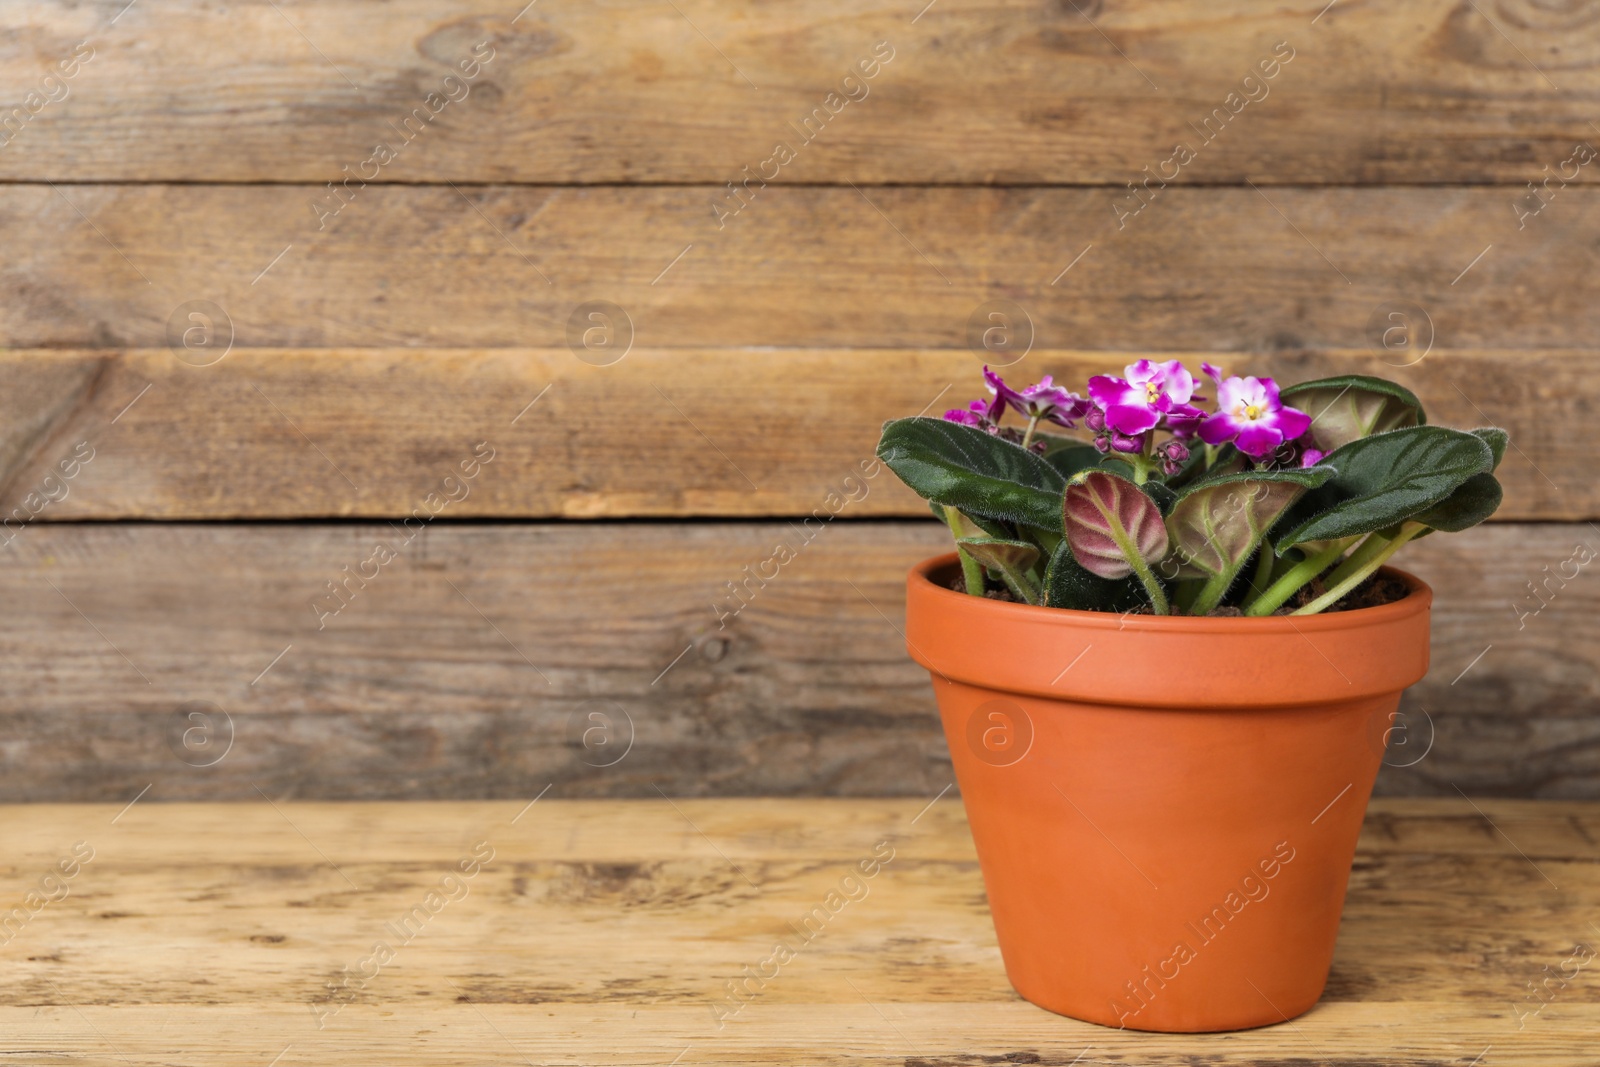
(1417, 601)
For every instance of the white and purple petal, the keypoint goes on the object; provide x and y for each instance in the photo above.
(1258, 440)
(1291, 422)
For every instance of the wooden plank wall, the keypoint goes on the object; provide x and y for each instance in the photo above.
(274, 271)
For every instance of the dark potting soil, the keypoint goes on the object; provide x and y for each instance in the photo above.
(1376, 590)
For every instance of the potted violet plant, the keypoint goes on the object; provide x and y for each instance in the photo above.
(1166, 659)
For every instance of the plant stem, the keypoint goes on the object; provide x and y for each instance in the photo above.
(1280, 566)
(1212, 592)
(1142, 468)
(1301, 573)
(1027, 435)
(1352, 573)
(1021, 587)
(1265, 558)
(1356, 560)
(971, 572)
(971, 569)
(1152, 586)
(1217, 586)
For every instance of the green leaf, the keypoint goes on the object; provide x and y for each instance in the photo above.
(1477, 498)
(1216, 524)
(1010, 560)
(1068, 585)
(1229, 460)
(1045, 540)
(980, 474)
(1069, 456)
(1114, 528)
(968, 526)
(1383, 480)
(1473, 502)
(1164, 495)
(1000, 555)
(1496, 439)
(1353, 406)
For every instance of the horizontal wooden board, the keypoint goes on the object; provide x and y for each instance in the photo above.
(291, 433)
(1208, 269)
(604, 932)
(975, 91)
(836, 1032)
(470, 664)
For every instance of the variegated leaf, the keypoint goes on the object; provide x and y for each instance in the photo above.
(1353, 406)
(1110, 523)
(1004, 556)
(1217, 524)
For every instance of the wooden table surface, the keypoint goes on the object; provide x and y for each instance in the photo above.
(606, 932)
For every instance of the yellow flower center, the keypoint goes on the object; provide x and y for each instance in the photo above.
(1252, 412)
(1151, 392)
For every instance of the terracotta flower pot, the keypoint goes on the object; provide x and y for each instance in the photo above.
(1165, 809)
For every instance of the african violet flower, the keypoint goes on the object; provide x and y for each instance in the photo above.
(1250, 415)
(1042, 400)
(1117, 442)
(1150, 391)
(1173, 454)
(974, 414)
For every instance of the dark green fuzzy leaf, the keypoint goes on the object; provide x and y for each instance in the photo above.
(1068, 585)
(983, 476)
(1385, 479)
(1353, 406)
(1229, 461)
(1044, 540)
(1216, 524)
(1497, 439)
(1164, 495)
(1069, 456)
(1473, 502)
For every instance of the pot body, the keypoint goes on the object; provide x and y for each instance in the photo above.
(1165, 809)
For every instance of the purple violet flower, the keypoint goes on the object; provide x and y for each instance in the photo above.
(1053, 403)
(1127, 443)
(1311, 457)
(1004, 395)
(1151, 390)
(1250, 415)
(1173, 454)
(1042, 400)
(974, 414)
(1185, 419)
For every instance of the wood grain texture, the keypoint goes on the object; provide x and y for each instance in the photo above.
(1200, 269)
(976, 91)
(292, 434)
(471, 664)
(604, 932)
